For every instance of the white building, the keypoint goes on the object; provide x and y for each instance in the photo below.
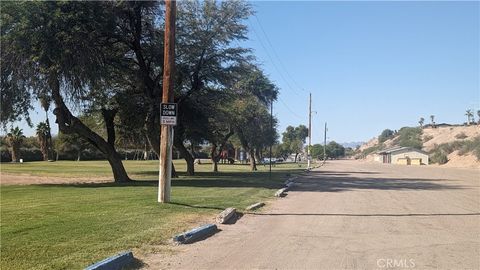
(402, 155)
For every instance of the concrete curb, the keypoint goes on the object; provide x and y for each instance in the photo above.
(116, 262)
(226, 214)
(289, 185)
(255, 206)
(195, 234)
(281, 192)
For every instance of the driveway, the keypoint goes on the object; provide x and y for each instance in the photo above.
(352, 215)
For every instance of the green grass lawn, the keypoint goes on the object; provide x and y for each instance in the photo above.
(70, 226)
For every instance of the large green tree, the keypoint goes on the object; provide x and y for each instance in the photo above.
(294, 139)
(59, 50)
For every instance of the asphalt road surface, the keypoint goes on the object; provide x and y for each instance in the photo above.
(352, 215)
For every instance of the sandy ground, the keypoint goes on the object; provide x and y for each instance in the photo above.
(352, 215)
(448, 134)
(25, 179)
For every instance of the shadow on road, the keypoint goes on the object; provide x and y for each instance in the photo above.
(324, 181)
(365, 215)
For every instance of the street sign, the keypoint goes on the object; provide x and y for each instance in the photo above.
(168, 114)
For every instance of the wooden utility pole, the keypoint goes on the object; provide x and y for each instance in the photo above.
(166, 137)
(271, 143)
(325, 143)
(309, 131)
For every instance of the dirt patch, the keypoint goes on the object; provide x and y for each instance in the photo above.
(25, 179)
(448, 134)
(466, 161)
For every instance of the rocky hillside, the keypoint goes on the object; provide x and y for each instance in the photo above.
(453, 146)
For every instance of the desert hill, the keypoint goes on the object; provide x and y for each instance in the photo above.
(452, 146)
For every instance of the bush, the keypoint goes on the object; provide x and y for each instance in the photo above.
(461, 136)
(370, 150)
(463, 147)
(427, 138)
(27, 154)
(410, 137)
(439, 158)
(385, 135)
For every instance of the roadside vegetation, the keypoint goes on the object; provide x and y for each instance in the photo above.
(69, 226)
(440, 153)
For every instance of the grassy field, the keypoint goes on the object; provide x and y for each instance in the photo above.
(69, 226)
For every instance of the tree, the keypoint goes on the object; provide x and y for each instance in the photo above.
(432, 118)
(71, 144)
(45, 104)
(421, 121)
(207, 61)
(385, 135)
(469, 114)
(478, 113)
(14, 140)
(317, 151)
(294, 138)
(42, 136)
(49, 48)
(252, 127)
(335, 150)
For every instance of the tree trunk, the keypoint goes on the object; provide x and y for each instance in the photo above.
(214, 158)
(186, 155)
(257, 155)
(215, 165)
(253, 164)
(108, 118)
(117, 168)
(67, 123)
(296, 155)
(50, 151)
(42, 140)
(152, 130)
(15, 153)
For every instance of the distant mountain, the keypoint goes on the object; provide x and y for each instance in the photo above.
(352, 144)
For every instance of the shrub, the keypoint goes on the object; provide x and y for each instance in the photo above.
(410, 137)
(385, 135)
(439, 157)
(463, 147)
(461, 136)
(372, 149)
(427, 138)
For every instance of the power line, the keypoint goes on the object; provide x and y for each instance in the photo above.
(290, 110)
(273, 62)
(276, 55)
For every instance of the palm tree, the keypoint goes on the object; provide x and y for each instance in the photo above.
(422, 120)
(14, 140)
(45, 103)
(42, 136)
(432, 117)
(469, 115)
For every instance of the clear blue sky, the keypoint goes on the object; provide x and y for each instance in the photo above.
(369, 65)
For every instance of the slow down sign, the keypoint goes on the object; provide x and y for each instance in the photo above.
(168, 114)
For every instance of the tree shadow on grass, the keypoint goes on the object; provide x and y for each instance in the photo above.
(201, 179)
(318, 181)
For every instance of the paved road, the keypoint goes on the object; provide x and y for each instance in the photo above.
(353, 215)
